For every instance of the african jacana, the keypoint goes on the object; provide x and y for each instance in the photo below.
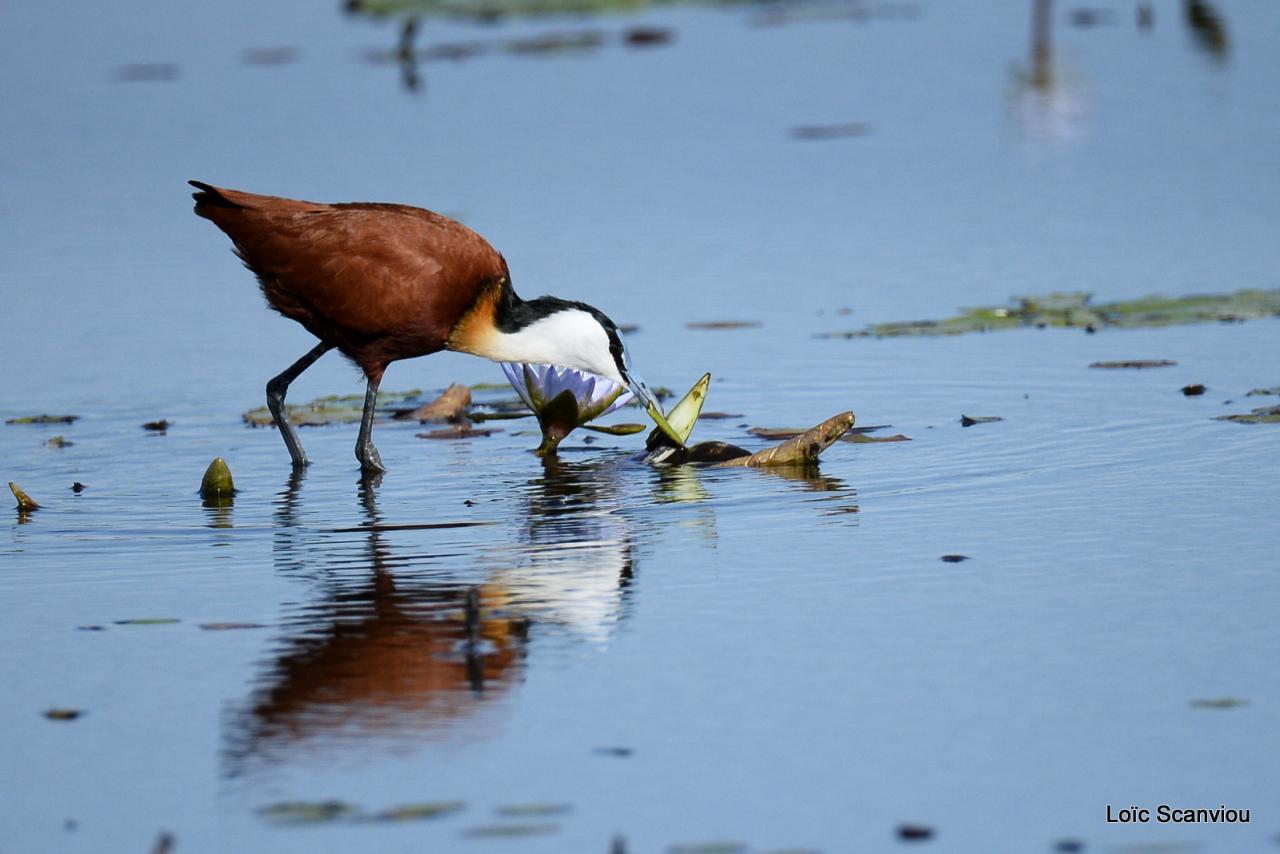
(382, 282)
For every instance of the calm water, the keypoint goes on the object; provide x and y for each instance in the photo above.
(681, 656)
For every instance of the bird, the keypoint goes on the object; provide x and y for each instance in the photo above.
(383, 282)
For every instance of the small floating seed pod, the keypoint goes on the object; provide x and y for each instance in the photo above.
(25, 502)
(217, 488)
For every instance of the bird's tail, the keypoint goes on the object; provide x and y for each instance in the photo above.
(210, 197)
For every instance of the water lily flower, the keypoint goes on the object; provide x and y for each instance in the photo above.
(564, 399)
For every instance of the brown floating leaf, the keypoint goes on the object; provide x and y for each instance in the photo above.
(452, 406)
(615, 429)
(838, 131)
(646, 37)
(25, 502)
(801, 450)
(63, 714)
(43, 419)
(789, 432)
(718, 416)
(724, 324)
(158, 426)
(148, 621)
(1193, 390)
(969, 421)
(1135, 363)
(459, 431)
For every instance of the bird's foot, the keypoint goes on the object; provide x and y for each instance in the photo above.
(370, 462)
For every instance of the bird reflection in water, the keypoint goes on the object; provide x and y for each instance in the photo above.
(1049, 102)
(375, 657)
(389, 654)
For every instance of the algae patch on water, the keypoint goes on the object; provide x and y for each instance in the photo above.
(1076, 309)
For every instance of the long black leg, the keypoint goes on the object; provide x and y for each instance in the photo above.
(366, 453)
(278, 387)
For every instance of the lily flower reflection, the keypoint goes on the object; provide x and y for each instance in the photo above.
(564, 399)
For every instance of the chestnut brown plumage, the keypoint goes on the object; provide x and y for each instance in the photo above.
(382, 282)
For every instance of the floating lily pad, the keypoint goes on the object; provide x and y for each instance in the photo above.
(332, 409)
(459, 431)
(43, 419)
(148, 621)
(1261, 392)
(1076, 309)
(969, 421)
(63, 714)
(510, 830)
(533, 810)
(1219, 703)
(419, 812)
(308, 812)
(1261, 415)
(1139, 364)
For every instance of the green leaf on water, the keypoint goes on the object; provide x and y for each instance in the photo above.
(308, 812)
(419, 811)
(510, 830)
(1077, 310)
(43, 419)
(532, 810)
(1261, 415)
(616, 429)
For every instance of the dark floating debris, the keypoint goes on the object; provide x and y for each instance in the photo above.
(59, 442)
(25, 502)
(165, 843)
(647, 37)
(43, 419)
(864, 439)
(1068, 846)
(1262, 392)
(224, 627)
(90, 629)
(723, 324)
(719, 416)
(63, 714)
(1261, 415)
(619, 752)
(459, 431)
(837, 131)
(148, 621)
(713, 847)
(1076, 310)
(216, 486)
(1139, 364)
(1219, 703)
(269, 55)
(970, 420)
(78, 487)
(955, 558)
(147, 72)
(1087, 17)
(1194, 390)
(914, 832)
(158, 426)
